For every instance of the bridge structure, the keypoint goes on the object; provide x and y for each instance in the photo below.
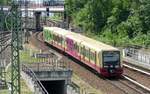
(40, 5)
(49, 74)
(54, 9)
(35, 8)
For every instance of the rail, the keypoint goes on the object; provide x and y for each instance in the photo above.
(4, 41)
(29, 72)
(3, 48)
(75, 87)
(136, 83)
(135, 54)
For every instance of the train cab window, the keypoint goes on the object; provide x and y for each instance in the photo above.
(111, 58)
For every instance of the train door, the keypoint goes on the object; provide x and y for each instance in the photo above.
(100, 61)
(63, 43)
(93, 57)
(76, 50)
(70, 45)
(82, 52)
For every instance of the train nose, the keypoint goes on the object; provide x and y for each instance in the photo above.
(109, 72)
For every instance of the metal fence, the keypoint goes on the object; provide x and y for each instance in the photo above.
(29, 72)
(52, 65)
(141, 57)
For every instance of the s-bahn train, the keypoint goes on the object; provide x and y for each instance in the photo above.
(104, 59)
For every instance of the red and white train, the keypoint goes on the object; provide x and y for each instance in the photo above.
(103, 58)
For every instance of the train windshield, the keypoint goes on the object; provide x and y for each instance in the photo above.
(111, 57)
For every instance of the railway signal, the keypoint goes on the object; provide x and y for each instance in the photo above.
(47, 10)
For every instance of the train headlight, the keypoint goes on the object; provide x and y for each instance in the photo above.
(117, 66)
(111, 66)
(105, 66)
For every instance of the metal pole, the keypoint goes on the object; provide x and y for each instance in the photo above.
(26, 22)
(1, 18)
(15, 46)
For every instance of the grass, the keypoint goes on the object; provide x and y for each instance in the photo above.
(56, 17)
(4, 91)
(24, 87)
(84, 87)
(27, 57)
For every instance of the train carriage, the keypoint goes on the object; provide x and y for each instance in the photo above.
(52, 35)
(103, 58)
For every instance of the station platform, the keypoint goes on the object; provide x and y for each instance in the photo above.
(137, 58)
(136, 63)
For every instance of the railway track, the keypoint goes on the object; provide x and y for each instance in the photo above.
(137, 76)
(4, 40)
(134, 81)
(117, 86)
(127, 86)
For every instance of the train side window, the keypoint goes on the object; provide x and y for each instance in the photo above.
(87, 53)
(63, 41)
(76, 47)
(46, 34)
(82, 50)
(54, 37)
(92, 56)
(49, 35)
(58, 39)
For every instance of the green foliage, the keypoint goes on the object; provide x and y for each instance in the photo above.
(4, 2)
(56, 17)
(27, 56)
(116, 22)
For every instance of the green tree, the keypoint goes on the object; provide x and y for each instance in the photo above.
(117, 22)
(4, 2)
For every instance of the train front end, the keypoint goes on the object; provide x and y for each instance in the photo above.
(111, 64)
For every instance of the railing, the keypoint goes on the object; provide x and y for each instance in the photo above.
(29, 72)
(75, 87)
(4, 40)
(137, 55)
(50, 64)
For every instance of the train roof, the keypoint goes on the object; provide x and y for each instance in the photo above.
(57, 30)
(91, 43)
(97, 44)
